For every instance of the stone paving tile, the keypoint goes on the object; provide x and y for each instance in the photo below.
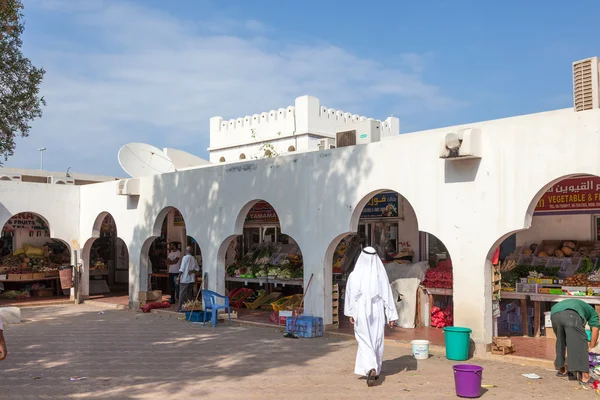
(127, 355)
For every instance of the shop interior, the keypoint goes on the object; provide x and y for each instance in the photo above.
(173, 231)
(264, 267)
(30, 261)
(109, 262)
(556, 258)
(264, 272)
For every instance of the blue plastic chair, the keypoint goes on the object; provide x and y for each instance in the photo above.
(210, 300)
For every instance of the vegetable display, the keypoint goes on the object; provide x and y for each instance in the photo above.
(586, 267)
(441, 318)
(439, 277)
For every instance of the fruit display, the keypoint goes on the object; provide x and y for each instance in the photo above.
(510, 278)
(589, 249)
(439, 277)
(508, 265)
(98, 266)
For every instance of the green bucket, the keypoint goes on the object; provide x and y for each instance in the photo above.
(458, 341)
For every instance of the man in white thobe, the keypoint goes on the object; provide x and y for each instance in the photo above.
(369, 302)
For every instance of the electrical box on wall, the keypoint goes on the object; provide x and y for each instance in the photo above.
(461, 145)
(128, 187)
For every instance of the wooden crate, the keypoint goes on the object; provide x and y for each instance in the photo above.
(14, 277)
(502, 346)
(39, 275)
(52, 274)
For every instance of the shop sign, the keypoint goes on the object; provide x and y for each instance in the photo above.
(178, 219)
(108, 224)
(29, 221)
(572, 195)
(384, 205)
(262, 213)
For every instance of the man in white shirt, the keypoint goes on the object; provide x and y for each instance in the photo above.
(2, 342)
(187, 276)
(174, 263)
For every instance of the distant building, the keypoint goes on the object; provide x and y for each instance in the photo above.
(51, 177)
(307, 126)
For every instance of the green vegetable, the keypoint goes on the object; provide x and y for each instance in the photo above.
(586, 267)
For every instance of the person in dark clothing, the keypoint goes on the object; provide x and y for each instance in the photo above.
(569, 318)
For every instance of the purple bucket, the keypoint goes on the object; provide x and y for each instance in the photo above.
(467, 379)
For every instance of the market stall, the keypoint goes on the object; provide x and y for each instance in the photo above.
(263, 264)
(557, 258)
(31, 260)
(109, 260)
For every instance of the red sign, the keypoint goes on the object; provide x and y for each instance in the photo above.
(575, 194)
(262, 213)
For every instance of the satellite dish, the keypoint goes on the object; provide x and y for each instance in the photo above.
(141, 159)
(182, 159)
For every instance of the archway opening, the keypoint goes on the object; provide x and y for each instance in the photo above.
(108, 261)
(555, 259)
(165, 254)
(264, 268)
(417, 263)
(30, 260)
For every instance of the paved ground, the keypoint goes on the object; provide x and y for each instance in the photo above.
(127, 355)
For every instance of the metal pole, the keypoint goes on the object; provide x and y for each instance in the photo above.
(42, 160)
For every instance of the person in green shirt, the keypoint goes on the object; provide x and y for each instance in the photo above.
(568, 322)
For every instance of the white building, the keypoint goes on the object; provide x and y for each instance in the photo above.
(307, 126)
(471, 202)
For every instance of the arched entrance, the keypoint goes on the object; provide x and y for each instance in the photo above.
(108, 259)
(30, 260)
(386, 221)
(164, 252)
(554, 259)
(263, 265)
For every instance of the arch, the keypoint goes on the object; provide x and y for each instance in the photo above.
(161, 229)
(242, 156)
(222, 159)
(291, 148)
(555, 226)
(99, 253)
(396, 236)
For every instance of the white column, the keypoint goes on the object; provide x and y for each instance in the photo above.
(472, 294)
(317, 302)
(138, 274)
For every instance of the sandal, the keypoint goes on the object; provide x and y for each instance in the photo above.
(371, 378)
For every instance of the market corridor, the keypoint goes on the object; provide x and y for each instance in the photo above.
(127, 355)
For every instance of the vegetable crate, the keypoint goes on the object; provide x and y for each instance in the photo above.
(294, 301)
(263, 299)
(237, 300)
(306, 327)
(197, 316)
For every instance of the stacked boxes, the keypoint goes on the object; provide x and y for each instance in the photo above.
(335, 302)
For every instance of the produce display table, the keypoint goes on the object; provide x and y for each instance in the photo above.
(54, 281)
(267, 281)
(523, 299)
(539, 298)
(437, 292)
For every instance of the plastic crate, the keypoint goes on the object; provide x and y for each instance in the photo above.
(306, 327)
(264, 299)
(292, 303)
(240, 296)
(197, 316)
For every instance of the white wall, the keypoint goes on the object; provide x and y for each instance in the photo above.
(557, 227)
(471, 205)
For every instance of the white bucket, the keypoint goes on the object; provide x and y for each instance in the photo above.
(420, 349)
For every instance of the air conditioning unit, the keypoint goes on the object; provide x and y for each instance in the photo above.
(13, 178)
(53, 180)
(326, 144)
(586, 84)
(128, 187)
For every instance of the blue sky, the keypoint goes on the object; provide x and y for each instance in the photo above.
(154, 71)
